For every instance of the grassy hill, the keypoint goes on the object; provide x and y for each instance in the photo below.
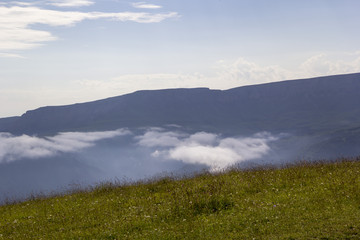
(306, 201)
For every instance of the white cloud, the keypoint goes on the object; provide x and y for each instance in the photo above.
(145, 5)
(223, 153)
(71, 3)
(16, 23)
(331, 63)
(243, 72)
(217, 158)
(231, 74)
(10, 55)
(206, 148)
(155, 138)
(18, 3)
(228, 74)
(202, 138)
(17, 147)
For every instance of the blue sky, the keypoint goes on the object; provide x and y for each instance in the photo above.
(55, 52)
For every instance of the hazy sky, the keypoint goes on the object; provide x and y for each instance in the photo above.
(55, 52)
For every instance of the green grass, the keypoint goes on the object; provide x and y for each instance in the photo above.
(307, 201)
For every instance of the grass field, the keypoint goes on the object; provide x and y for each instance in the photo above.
(306, 201)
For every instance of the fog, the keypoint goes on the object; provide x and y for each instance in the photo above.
(13, 148)
(211, 150)
(51, 164)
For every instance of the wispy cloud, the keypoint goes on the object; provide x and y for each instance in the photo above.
(57, 3)
(17, 147)
(145, 5)
(19, 3)
(71, 3)
(10, 55)
(206, 148)
(155, 138)
(16, 22)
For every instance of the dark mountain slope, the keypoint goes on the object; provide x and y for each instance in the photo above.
(8, 123)
(308, 105)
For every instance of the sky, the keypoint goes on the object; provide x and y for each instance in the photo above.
(56, 52)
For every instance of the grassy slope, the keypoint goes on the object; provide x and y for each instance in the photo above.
(320, 201)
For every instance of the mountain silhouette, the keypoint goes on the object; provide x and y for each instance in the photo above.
(302, 106)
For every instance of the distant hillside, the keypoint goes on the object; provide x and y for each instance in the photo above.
(303, 106)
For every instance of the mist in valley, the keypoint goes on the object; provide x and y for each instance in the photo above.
(33, 165)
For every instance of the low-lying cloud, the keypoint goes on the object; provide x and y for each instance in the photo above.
(213, 150)
(18, 147)
(81, 157)
(156, 138)
(32, 164)
(204, 148)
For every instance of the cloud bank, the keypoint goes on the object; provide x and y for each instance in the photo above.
(244, 72)
(227, 74)
(206, 148)
(203, 148)
(79, 157)
(18, 147)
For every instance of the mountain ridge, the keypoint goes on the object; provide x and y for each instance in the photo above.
(300, 105)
